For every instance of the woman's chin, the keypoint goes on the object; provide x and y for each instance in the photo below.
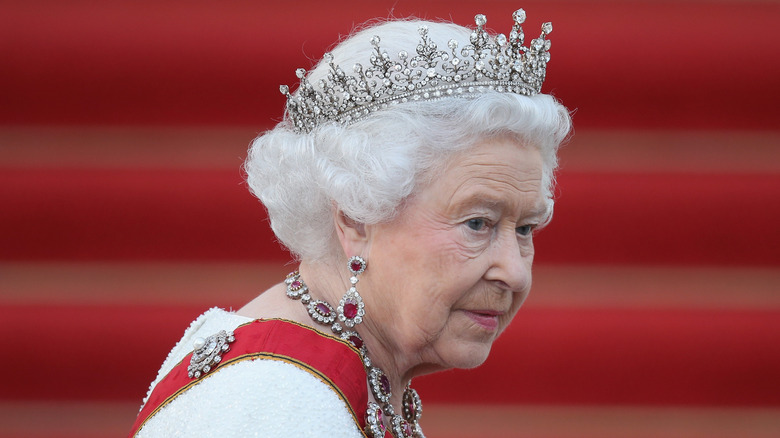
(470, 355)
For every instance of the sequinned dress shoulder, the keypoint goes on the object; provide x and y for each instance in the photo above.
(231, 376)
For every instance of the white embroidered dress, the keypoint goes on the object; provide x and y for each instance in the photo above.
(252, 398)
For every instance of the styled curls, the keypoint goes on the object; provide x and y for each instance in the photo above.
(368, 168)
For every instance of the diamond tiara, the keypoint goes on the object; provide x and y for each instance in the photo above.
(499, 64)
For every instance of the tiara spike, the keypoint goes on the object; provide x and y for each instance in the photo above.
(519, 16)
(482, 63)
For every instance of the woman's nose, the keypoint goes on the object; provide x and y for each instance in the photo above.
(511, 264)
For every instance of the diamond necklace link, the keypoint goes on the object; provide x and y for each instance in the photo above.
(406, 426)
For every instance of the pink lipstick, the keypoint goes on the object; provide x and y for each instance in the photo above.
(487, 319)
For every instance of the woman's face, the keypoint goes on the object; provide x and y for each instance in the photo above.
(445, 277)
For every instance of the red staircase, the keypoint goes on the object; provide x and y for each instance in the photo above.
(656, 305)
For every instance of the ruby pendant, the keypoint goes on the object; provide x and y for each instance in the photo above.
(351, 308)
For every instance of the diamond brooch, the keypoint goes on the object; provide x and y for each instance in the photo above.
(208, 353)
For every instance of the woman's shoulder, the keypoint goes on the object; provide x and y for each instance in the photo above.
(211, 321)
(265, 381)
(254, 398)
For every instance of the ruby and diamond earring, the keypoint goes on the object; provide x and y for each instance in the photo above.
(351, 308)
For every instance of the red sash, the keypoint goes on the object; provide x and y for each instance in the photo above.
(332, 360)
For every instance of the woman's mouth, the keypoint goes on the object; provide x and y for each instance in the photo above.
(487, 319)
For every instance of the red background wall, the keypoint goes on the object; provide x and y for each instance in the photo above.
(656, 304)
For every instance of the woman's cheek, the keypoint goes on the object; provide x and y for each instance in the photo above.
(471, 244)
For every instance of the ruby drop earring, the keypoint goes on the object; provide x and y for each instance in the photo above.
(351, 308)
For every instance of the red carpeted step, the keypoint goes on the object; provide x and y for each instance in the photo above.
(620, 64)
(567, 356)
(87, 352)
(232, 284)
(103, 419)
(664, 218)
(626, 356)
(163, 214)
(93, 214)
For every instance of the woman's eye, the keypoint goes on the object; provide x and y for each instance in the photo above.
(524, 230)
(476, 224)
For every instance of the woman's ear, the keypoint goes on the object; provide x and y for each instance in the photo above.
(351, 233)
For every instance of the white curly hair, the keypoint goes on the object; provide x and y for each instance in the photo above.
(368, 168)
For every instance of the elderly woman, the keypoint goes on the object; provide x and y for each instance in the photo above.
(413, 167)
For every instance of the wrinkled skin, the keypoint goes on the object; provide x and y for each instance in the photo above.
(449, 273)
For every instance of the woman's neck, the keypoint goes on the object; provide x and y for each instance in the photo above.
(329, 283)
